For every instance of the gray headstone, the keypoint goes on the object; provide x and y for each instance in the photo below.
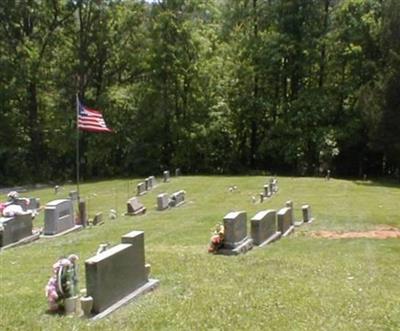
(73, 195)
(263, 226)
(98, 219)
(134, 206)
(141, 188)
(166, 176)
(267, 192)
(307, 217)
(116, 272)
(15, 228)
(235, 224)
(147, 184)
(177, 172)
(58, 216)
(289, 204)
(284, 220)
(83, 218)
(153, 182)
(177, 198)
(271, 189)
(162, 201)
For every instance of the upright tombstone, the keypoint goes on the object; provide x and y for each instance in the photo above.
(83, 218)
(264, 228)
(135, 207)
(177, 172)
(162, 201)
(153, 181)
(141, 188)
(271, 188)
(289, 204)
(236, 240)
(267, 191)
(147, 184)
(275, 185)
(118, 275)
(177, 198)
(73, 195)
(15, 229)
(307, 217)
(166, 176)
(59, 217)
(285, 225)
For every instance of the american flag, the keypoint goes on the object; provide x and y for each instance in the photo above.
(91, 120)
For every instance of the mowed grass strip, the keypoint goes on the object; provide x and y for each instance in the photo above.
(298, 283)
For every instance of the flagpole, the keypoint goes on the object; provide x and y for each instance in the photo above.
(77, 145)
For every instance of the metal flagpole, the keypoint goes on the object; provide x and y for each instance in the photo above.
(77, 146)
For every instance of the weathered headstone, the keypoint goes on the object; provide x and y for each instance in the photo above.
(83, 218)
(264, 227)
(275, 185)
(162, 201)
(153, 181)
(147, 184)
(289, 204)
(118, 275)
(135, 207)
(271, 188)
(177, 198)
(236, 240)
(15, 228)
(141, 188)
(261, 197)
(58, 216)
(177, 172)
(73, 195)
(307, 217)
(267, 192)
(166, 176)
(98, 219)
(285, 225)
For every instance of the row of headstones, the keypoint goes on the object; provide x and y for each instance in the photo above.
(266, 227)
(269, 189)
(147, 185)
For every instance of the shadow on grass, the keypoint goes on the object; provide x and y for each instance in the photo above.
(379, 183)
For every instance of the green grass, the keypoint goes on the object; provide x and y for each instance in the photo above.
(297, 283)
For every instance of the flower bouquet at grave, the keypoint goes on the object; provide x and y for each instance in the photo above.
(63, 283)
(217, 239)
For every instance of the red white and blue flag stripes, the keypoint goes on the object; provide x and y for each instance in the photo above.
(91, 120)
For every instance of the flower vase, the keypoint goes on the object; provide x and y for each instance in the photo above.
(87, 305)
(70, 305)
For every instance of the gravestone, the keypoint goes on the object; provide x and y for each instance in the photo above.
(147, 184)
(135, 207)
(275, 185)
(153, 181)
(118, 275)
(267, 192)
(73, 195)
(236, 240)
(264, 228)
(15, 228)
(177, 198)
(177, 172)
(289, 204)
(271, 188)
(141, 188)
(98, 219)
(285, 225)
(162, 201)
(83, 218)
(261, 197)
(27, 204)
(166, 176)
(307, 217)
(58, 217)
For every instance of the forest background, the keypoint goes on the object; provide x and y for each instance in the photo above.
(210, 86)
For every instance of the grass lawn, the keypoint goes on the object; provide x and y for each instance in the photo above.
(297, 283)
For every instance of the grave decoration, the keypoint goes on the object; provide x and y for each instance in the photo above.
(62, 288)
(217, 239)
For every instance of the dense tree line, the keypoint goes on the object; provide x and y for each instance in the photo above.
(210, 86)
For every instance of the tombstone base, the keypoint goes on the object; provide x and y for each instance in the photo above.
(35, 235)
(288, 231)
(271, 239)
(180, 204)
(243, 247)
(151, 285)
(137, 212)
(75, 228)
(299, 223)
(310, 221)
